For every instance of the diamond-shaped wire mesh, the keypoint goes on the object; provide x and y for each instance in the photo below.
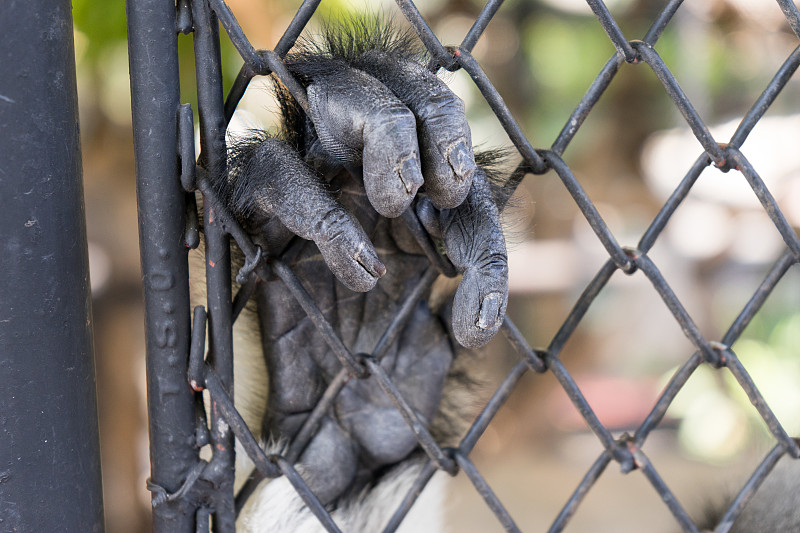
(625, 449)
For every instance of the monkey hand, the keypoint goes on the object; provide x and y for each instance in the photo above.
(398, 129)
(382, 135)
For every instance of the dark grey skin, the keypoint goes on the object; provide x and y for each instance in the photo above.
(382, 132)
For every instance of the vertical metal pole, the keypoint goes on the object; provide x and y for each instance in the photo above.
(155, 91)
(49, 445)
(218, 264)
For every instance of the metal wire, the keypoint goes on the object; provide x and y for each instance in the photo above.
(625, 449)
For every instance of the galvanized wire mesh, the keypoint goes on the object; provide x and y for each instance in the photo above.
(200, 16)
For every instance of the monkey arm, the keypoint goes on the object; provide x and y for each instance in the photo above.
(383, 128)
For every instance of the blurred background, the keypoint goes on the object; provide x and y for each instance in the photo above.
(629, 155)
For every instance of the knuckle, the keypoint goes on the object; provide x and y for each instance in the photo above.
(495, 262)
(335, 225)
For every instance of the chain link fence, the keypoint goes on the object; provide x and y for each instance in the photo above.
(187, 490)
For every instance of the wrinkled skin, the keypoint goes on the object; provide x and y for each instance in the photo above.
(382, 132)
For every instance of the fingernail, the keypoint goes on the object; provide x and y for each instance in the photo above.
(411, 175)
(490, 308)
(368, 259)
(461, 160)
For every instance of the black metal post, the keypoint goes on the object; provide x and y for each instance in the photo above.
(155, 90)
(49, 445)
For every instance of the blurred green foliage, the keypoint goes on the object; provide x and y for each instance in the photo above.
(103, 27)
(102, 23)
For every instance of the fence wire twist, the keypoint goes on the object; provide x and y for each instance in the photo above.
(213, 480)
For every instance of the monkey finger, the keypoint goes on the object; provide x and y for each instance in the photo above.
(359, 120)
(479, 306)
(347, 250)
(448, 162)
(275, 182)
(474, 242)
